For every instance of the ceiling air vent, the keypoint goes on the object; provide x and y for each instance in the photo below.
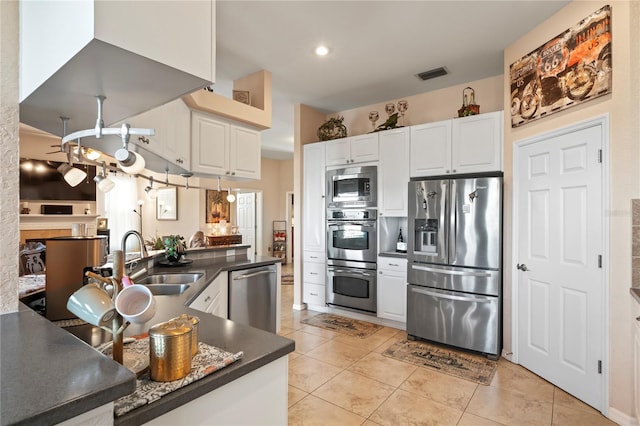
(436, 72)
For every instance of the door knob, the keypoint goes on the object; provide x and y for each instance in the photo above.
(522, 267)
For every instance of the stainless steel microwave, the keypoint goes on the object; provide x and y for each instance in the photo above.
(352, 187)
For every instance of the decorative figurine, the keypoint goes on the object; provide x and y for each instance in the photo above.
(332, 129)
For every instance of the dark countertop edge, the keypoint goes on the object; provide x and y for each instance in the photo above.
(118, 381)
(393, 254)
(635, 292)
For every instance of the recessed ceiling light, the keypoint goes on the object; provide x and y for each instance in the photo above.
(322, 50)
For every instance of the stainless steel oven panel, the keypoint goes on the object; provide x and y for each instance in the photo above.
(479, 281)
(352, 264)
(459, 319)
(338, 200)
(352, 288)
(352, 240)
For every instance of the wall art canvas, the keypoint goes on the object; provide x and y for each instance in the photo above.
(218, 207)
(570, 69)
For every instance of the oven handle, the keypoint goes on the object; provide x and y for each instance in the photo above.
(450, 296)
(447, 272)
(365, 224)
(347, 271)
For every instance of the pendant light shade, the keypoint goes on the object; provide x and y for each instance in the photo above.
(231, 198)
(104, 183)
(72, 175)
(130, 162)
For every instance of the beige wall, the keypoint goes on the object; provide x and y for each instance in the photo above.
(9, 148)
(623, 166)
(428, 107)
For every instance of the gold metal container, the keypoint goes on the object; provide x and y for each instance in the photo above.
(170, 350)
(194, 321)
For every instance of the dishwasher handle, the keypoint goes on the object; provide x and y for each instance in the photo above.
(254, 274)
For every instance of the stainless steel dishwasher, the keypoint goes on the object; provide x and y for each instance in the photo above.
(252, 297)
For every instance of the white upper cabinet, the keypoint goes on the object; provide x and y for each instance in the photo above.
(463, 145)
(221, 147)
(393, 173)
(351, 150)
(171, 141)
(245, 152)
(477, 143)
(139, 54)
(178, 142)
(313, 198)
(431, 149)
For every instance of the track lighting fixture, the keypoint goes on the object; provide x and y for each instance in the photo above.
(130, 162)
(152, 193)
(72, 175)
(104, 183)
(230, 197)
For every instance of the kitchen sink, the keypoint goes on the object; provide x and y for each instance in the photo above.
(166, 279)
(167, 289)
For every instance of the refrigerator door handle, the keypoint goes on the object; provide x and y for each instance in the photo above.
(448, 272)
(443, 219)
(453, 229)
(450, 296)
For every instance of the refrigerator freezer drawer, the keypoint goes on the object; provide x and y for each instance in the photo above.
(458, 319)
(479, 281)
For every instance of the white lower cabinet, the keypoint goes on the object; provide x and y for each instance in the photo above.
(257, 398)
(392, 288)
(314, 272)
(214, 298)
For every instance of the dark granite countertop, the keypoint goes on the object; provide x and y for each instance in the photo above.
(49, 375)
(259, 347)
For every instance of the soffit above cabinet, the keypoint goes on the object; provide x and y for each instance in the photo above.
(139, 55)
(131, 83)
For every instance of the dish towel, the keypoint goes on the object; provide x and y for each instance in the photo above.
(209, 359)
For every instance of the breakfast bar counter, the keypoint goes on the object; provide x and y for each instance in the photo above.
(49, 375)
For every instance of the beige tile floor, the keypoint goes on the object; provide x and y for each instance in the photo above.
(335, 379)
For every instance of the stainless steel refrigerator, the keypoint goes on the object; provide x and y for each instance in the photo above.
(454, 264)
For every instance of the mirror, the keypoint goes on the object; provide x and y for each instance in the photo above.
(167, 204)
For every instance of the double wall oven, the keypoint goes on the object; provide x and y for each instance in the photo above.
(352, 231)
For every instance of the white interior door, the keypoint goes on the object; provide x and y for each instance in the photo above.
(560, 280)
(246, 214)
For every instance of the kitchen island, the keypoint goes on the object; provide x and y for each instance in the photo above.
(261, 375)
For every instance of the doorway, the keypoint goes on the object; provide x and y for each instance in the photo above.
(249, 220)
(560, 293)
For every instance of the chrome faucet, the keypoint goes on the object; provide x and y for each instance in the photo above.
(143, 249)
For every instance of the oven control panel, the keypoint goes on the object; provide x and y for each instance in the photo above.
(346, 214)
